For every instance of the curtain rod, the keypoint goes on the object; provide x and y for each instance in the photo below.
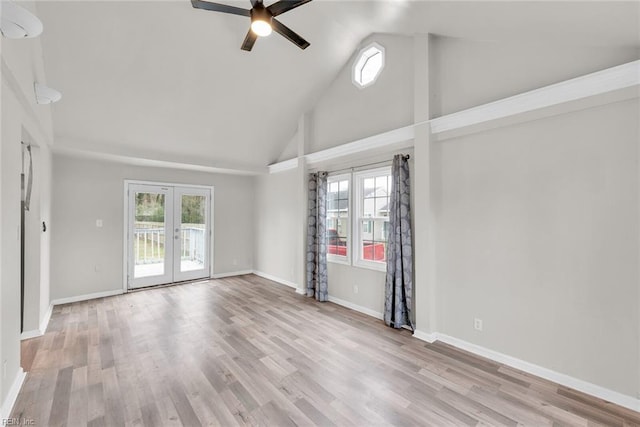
(353, 168)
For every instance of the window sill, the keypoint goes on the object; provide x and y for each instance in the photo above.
(338, 260)
(370, 265)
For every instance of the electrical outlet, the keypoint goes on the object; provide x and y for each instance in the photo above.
(99, 223)
(97, 268)
(355, 289)
(235, 262)
(477, 324)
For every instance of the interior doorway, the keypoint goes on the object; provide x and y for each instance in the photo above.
(168, 233)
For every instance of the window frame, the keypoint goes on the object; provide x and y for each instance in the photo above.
(355, 71)
(358, 216)
(346, 260)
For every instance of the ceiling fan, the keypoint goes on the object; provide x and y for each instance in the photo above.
(263, 19)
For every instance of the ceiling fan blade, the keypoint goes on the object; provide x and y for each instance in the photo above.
(217, 7)
(288, 33)
(249, 41)
(284, 6)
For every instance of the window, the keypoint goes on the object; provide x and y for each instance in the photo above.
(338, 202)
(368, 65)
(373, 189)
(370, 222)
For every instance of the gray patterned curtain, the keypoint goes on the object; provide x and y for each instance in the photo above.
(399, 282)
(316, 237)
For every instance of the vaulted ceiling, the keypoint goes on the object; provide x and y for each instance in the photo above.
(160, 80)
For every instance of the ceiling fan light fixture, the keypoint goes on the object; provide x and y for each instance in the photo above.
(261, 28)
(260, 21)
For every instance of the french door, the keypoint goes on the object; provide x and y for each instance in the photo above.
(169, 234)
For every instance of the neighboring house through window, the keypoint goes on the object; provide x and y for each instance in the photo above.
(365, 193)
(372, 210)
(338, 224)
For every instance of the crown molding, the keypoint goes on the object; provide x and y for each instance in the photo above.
(283, 166)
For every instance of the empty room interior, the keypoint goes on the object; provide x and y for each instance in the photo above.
(334, 213)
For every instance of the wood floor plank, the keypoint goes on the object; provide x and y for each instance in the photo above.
(245, 351)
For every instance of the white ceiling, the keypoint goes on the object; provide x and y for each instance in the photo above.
(163, 81)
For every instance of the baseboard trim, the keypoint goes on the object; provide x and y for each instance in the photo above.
(230, 274)
(10, 400)
(301, 291)
(356, 307)
(86, 297)
(591, 389)
(425, 336)
(276, 279)
(45, 320)
(27, 335)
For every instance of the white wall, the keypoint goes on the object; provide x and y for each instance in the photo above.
(10, 273)
(276, 237)
(538, 237)
(536, 224)
(467, 73)
(85, 190)
(22, 65)
(345, 112)
(37, 242)
(32, 247)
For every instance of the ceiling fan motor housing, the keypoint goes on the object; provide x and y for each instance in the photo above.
(260, 13)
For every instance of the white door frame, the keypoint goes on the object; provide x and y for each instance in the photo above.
(125, 227)
(178, 192)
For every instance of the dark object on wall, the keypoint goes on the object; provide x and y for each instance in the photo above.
(44, 227)
(262, 19)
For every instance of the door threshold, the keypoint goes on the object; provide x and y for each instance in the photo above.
(166, 285)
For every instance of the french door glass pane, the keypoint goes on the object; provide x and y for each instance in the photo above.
(149, 235)
(193, 233)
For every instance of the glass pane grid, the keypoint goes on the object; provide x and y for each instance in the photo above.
(374, 217)
(149, 235)
(337, 218)
(192, 233)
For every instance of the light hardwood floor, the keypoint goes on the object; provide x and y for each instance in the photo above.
(245, 350)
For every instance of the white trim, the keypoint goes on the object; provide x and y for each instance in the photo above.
(608, 80)
(43, 326)
(27, 335)
(380, 140)
(338, 259)
(44, 323)
(355, 307)
(598, 83)
(125, 240)
(283, 166)
(231, 274)
(146, 162)
(357, 259)
(125, 253)
(357, 59)
(12, 395)
(301, 291)
(86, 297)
(539, 371)
(276, 279)
(425, 336)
